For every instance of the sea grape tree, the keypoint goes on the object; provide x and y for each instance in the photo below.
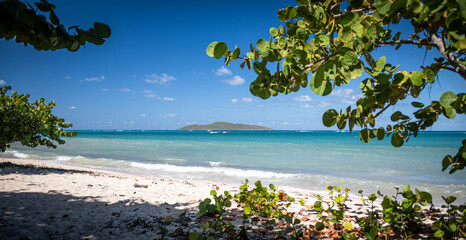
(31, 124)
(325, 44)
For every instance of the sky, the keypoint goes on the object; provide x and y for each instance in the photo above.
(153, 72)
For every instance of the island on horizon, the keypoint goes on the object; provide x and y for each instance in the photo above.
(224, 126)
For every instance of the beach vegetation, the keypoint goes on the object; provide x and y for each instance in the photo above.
(323, 45)
(29, 123)
(406, 215)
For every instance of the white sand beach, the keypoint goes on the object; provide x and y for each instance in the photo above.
(44, 200)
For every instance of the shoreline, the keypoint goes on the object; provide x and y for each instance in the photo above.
(45, 200)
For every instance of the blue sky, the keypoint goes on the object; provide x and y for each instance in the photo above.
(153, 72)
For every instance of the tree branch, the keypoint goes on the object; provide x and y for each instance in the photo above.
(449, 56)
(321, 60)
(423, 42)
(354, 11)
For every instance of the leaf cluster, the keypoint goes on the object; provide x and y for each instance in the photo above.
(27, 25)
(31, 124)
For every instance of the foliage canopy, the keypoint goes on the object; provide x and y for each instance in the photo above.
(31, 124)
(325, 44)
(23, 23)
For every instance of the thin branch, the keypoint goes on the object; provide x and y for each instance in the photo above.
(354, 11)
(423, 42)
(321, 60)
(390, 104)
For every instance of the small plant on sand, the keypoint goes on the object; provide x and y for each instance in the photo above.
(259, 201)
(453, 224)
(216, 208)
(405, 217)
(371, 224)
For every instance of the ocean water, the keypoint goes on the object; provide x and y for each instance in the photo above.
(290, 159)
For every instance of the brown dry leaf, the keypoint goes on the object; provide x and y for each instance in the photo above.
(179, 232)
(309, 206)
(315, 221)
(357, 204)
(73, 182)
(116, 214)
(136, 180)
(282, 196)
(304, 219)
(179, 195)
(191, 201)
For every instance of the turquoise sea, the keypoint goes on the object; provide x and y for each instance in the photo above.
(294, 159)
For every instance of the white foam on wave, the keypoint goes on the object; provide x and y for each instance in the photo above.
(17, 154)
(214, 163)
(232, 172)
(67, 158)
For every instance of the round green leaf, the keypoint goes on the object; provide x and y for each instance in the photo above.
(262, 45)
(348, 226)
(449, 112)
(417, 79)
(324, 89)
(210, 49)
(219, 49)
(358, 29)
(101, 30)
(301, 34)
(396, 116)
(274, 32)
(397, 139)
(447, 99)
(364, 135)
(282, 42)
(236, 54)
(319, 226)
(380, 133)
(350, 59)
(330, 117)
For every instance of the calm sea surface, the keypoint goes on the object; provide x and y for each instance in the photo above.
(296, 159)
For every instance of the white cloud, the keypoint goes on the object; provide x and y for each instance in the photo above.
(285, 123)
(132, 122)
(324, 104)
(104, 89)
(149, 94)
(124, 90)
(307, 106)
(245, 99)
(169, 115)
(159, 79)
(167, 99)
(302, 98)
(72, 107)
(142, 115)
(234, 81)
(342, 93)
(2, 82)
(222, 71)
(93, 79)
(67, 77)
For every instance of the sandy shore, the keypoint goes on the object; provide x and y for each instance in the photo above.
(45, 200)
